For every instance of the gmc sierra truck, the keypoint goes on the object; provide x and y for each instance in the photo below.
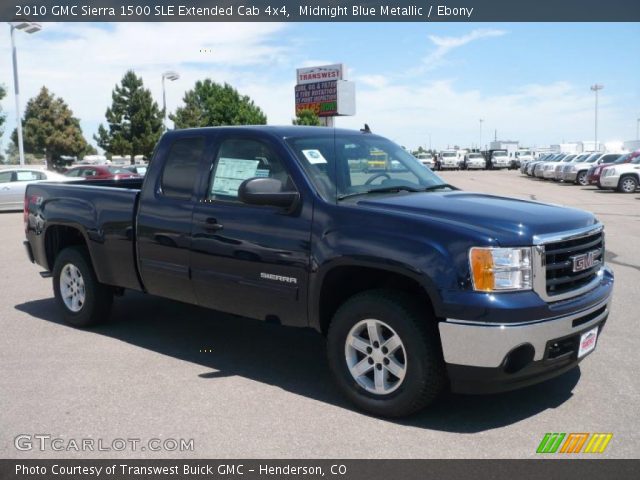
(418, 286)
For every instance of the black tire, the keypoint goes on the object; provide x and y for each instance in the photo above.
(627, 184)
(581, 179)
(98, 298)
(425, 377)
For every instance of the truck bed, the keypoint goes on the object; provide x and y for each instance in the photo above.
(103, 210)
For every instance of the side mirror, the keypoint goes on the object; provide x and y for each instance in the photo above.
(266, 191)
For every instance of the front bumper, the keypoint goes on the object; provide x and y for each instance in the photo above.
(485, 357)
(569, 176)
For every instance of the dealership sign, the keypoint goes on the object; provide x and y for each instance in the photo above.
(319, 74)
(321, 97)
(323, 90)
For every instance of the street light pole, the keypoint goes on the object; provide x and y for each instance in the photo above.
(595, 88)
(638, 129)
(480, 145)
(170, 75)
(28, 27)
(16, 89)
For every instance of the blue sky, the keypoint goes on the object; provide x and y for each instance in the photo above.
(530, 81)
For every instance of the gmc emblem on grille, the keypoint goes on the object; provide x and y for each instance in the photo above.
(585, 261)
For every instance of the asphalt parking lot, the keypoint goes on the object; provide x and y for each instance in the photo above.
(242, 388)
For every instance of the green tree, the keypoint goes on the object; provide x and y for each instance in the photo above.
(212, 104)
(306, 116)
(50, 128)
(134, 121)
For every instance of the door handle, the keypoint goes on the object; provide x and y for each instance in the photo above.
(6, 188)
(212, 225)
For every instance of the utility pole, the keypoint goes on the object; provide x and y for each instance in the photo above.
(480, 144)
(595, 88)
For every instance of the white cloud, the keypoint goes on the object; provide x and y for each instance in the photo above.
(444, 45)
(83, 62)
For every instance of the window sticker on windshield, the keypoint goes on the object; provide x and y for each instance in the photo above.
(314, 156)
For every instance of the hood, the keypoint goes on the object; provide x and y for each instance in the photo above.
(508, 221)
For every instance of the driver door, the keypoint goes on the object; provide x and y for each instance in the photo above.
(246, 259)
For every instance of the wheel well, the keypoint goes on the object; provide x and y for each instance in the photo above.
(342, 283)
(59, 237)
(630, 174)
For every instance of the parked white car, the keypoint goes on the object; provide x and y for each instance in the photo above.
(549, 170)
(449, 159)
(557, 174)
(500, 159)
(624, 177)
(426, 159)
(14, 181)
(475, 160)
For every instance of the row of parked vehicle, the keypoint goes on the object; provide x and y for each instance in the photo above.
(14, 181)
(474, 160)
(607, 171)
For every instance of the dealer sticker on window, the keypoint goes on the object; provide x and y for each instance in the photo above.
(314, 156)
(588, 342)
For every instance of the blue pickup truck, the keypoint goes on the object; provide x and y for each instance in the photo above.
(418, 287)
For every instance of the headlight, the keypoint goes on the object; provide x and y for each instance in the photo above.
(500, 269)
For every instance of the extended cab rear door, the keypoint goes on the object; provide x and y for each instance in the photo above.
(165, 216)
(247, 259)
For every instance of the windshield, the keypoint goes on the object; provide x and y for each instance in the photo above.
(568, 158)
(499, 154)
(342, 165)
(475, 155)
(449, 155)
(524, 153)
(593, 158)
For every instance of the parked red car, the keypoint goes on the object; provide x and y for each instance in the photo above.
(100, 172)
(593, 176)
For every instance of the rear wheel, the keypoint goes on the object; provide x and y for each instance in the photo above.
(82, 299)
(385, 354)
(628, 184)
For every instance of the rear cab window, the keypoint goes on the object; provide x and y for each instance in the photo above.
(181, 168)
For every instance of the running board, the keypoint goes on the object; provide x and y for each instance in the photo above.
(45, 274)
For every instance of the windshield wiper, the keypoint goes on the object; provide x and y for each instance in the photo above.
(393, 189)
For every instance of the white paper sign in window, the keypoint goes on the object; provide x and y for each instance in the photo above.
(230, 173)
(314, 156)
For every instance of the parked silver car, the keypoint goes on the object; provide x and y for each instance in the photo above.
(14, 181)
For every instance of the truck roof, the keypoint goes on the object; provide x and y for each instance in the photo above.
(280, 131)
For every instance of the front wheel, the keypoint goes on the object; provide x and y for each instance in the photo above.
(384, 353)
(82, 299)
(627, 184)
(581, 179)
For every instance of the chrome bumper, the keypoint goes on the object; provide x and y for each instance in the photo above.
(486, 345)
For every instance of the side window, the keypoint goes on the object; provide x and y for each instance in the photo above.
(73, 173)
(5, 177)
(240, 159)
(181, 167)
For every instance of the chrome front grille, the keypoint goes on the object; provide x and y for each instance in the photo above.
(559, 263)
